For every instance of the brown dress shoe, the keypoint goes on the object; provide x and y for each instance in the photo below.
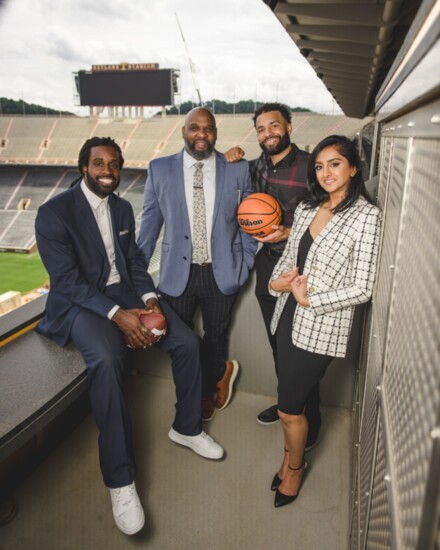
(208, 408)
(224, 386)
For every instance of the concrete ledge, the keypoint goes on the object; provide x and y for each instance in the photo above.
(16, 320)
(39, 380)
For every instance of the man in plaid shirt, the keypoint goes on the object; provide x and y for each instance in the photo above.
(280, 171)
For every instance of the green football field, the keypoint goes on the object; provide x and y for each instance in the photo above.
(21, 272)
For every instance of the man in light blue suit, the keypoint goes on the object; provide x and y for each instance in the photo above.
(205, 257)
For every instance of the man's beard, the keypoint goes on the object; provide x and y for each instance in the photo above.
(279, 147)
(93, 185)
(199, 155)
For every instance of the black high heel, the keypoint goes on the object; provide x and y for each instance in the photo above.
(280, 498)
(276, 481)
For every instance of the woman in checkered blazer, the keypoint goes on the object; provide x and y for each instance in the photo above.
(327, 268)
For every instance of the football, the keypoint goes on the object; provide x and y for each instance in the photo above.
(155, 323)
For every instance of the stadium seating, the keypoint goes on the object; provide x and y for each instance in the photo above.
(38, 156)
(10, 176)
(19, 232)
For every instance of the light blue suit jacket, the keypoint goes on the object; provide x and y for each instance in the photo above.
(165, 204)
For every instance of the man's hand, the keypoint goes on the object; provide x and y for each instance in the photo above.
(235, 154)
(129, 323)
(152, 304)
(280, 233)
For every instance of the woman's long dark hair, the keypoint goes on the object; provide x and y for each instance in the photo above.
(357, 186)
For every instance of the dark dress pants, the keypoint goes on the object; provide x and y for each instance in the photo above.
(264, 266)
(101, 344)
(216, 308)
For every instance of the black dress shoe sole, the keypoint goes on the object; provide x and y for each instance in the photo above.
(267, 423)
(310, 447)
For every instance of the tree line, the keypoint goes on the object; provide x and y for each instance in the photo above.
(217, 106)
(223, 107)
(21, 107)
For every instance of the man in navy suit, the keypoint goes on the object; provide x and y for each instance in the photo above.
(99, 287)
(205, 257)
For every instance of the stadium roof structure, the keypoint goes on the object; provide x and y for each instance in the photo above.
(351, 44)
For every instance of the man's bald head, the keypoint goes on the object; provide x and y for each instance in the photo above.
(199, 133)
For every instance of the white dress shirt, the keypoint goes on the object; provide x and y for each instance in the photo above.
(101, 211)
(208, 190)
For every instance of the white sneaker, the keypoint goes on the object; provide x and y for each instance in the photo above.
(202, 444)
(127, 509)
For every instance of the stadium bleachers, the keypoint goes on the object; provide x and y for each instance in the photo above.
(66, 138)
(132, 189)
(6, 219)
(154, 138)
(10, 177)
(39, 185)
(38, 156)
(19, 234)
(234, 131)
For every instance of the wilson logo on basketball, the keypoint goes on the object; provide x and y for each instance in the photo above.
(247, 222)
(257, 213)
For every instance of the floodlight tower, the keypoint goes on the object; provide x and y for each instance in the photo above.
(191, 64)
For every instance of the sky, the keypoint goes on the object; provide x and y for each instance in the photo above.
(238, 47)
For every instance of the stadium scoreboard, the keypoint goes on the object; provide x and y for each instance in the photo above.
(126, 84)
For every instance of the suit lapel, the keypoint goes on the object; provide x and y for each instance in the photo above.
(336, 221)
(116, 227)
(88, 221)
(220, 170)
(177, 191)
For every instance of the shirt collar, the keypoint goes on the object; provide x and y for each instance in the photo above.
(189, 161)
(288, 160)
(92, 199)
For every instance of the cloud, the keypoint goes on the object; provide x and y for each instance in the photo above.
(239, 48)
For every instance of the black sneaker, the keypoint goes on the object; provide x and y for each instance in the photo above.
(268, 416)
(312, 439)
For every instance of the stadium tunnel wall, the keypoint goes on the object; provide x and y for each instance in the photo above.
(396, 422)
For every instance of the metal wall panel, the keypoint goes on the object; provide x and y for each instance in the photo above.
(354, 532)
(391, 221)
(355, 447)
(384, 169)
(363, 362)
(412, 373)
(378, 534)
(398, 504)
(368, 427)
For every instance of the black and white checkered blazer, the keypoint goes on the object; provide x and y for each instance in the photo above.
(341, 263)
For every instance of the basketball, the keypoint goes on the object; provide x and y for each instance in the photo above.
(155, 323)
(257, 213)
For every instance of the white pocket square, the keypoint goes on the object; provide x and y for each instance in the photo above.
(124, 232)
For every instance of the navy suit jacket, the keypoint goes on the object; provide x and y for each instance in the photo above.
(232, 250)
(74, 255)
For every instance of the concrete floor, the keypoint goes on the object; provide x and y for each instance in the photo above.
(190, 503)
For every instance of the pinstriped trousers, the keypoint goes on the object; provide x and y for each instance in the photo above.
(216, 309)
